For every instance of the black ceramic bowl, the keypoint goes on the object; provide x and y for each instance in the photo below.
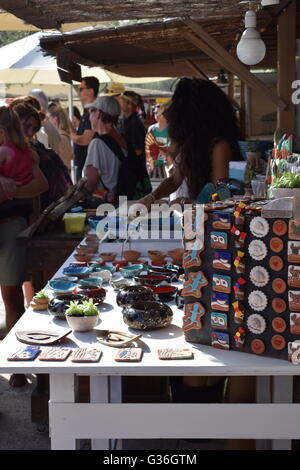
(130, 294)
(171, 273)
(147, 315)
(179, 299)
(60, 303)
(151, 279)
(164, 293)
(96, 293)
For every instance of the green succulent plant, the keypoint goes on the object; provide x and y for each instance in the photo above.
(287, 180)
(41, 295)
(85, 308)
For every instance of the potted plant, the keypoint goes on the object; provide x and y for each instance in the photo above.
(82, 316)
(285, 185)
(40, 301)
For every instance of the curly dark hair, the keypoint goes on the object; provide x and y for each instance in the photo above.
(199, 116)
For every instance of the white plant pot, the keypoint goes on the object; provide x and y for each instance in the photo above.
(82, 323)
(282, 192)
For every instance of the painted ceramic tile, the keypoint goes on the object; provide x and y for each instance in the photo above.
(294, 229)
(86, 355)
(219, 240)
(222, 260)
(294, 276)
(191, 259)
(294, 252)
(219, 301)
(129, 355)
(194, 284)
(221, 283)
(181, 353)
(221, 220)
(193, 314)
(295, 323)
(294, 352)
(294, 300)
(219, 321)
(220, 340)
(54, 354)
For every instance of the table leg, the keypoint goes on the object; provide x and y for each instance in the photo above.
(282, 392)
(263, 395)
(62, 390)
(105, 390)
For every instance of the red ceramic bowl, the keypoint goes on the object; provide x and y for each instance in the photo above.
(92, 292)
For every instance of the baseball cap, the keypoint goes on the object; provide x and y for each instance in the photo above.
(107, 104)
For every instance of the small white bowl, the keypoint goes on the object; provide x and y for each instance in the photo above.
(82, 323)
(105, 275)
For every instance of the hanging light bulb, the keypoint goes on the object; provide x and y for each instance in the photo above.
(251, 49)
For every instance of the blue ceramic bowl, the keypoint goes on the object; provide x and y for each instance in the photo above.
(79, 271)
(91, 281)
(96, 268)
(131, 271)
(63, 287)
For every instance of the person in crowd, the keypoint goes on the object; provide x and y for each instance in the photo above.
(203, 130)
(88, 91)
(202, 125)
(51, 164)
(60, 120)
(157, 143)
(131, 125)
(15, 210)
(102, 165)
(15, 155)
(76, 117)
(52, 139)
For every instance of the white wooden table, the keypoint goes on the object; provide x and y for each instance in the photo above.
(105, 417)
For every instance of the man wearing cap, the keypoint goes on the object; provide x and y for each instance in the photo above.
(102, 164)
(88, 92)
(131, 125)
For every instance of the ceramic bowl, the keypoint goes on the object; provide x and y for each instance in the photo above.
(82, 323)
(164, 293)
(85, 257)
(108, 256)
(88, 249)
(60, 303)
(131, 271)
(96, 268)
(120, 283)
(151, 279)
(67, 278)
(61, 287)
(171, 273)
(147, 315)
(79, 271)
(130, 294)
(177, 267)
(120, 264)
(131, 255)
(104, 274)
(91, 238)
(156, 255)
(91, 291)
(94, 281)
(176, 254)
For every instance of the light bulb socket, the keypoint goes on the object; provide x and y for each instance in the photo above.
(250, 19)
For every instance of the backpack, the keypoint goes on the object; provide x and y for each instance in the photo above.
(133, 178)
(56, 173)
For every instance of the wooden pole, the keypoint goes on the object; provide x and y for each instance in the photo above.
(286, 67)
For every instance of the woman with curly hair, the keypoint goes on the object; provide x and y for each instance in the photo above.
(203, 127)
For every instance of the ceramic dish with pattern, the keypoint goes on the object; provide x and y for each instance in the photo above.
(62, 287)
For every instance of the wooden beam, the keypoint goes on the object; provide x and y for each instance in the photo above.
(196, 69)
(286, 66)
(213, 49)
